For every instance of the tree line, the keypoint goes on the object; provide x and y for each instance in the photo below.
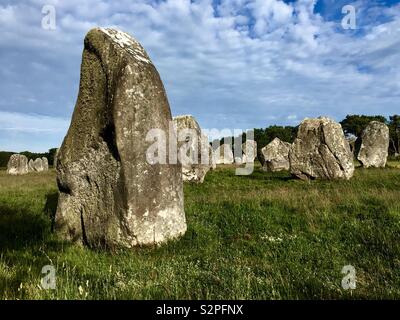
(5, 156)
(353, 126)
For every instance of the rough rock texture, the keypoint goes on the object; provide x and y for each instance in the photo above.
(197, 160)
(38, 165)
(249, 149)
(321, 151)
(17, 165)
(45, 163)
(374, 145)
(223, 154)
(110, 195)
(275, 156)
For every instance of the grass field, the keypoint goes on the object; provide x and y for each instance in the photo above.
(264, 236)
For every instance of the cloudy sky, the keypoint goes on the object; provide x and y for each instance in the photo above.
(230, 63)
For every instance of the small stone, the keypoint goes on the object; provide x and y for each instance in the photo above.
(17, 165)
(276, 156)
(224, 154)
(197, 160)
(38, 165)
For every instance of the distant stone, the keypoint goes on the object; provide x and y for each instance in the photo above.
(224, 154)
(31, 167)
(45, 163)
(197, 160)
(111, 193)
(249, 149)
(275, 156)
(321, 151)
(38, 165)
(374, 145)
(17, 165)
(238, 160)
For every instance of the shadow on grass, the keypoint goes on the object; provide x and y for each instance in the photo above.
(50, 207)
(270, 176)
(21, 227)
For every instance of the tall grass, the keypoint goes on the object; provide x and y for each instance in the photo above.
(264, 236)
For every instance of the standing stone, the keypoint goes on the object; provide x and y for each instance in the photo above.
(31, 167)
(212, 156)
(374, 145)
(17, 165)
(38, 165)
(45, 163)
(249, 149)
(321, 151)
(110, 195)
(223, 154)
(196, 159)
(275, 156)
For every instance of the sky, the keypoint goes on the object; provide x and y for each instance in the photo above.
(234, 64)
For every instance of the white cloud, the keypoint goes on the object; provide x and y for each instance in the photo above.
(20, 122)
(243, 62)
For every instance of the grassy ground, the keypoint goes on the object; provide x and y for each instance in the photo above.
(264, 236)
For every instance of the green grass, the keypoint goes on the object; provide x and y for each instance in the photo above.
(264, 236)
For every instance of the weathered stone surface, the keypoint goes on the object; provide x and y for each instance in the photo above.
(38, 165)
(45, 163)
(196, 159)
(110, 195)
(374, 145)
(249, 149)
(321, 151)
(31, 167)
(223, 154)
(275, 156)
(17, 165)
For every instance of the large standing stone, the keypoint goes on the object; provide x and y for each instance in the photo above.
(321, 151)
(223, 154)
(275, 156)
(17, 165)
(110, 195)
(374, 145)
(38, 165)
(196, 159)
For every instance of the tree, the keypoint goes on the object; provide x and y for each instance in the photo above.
(394, 132)
(51, 155)
(355, 124)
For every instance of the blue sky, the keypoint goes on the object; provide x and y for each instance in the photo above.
(230, 63)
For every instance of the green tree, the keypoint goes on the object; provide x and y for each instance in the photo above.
(355, 124)
(394, 129)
